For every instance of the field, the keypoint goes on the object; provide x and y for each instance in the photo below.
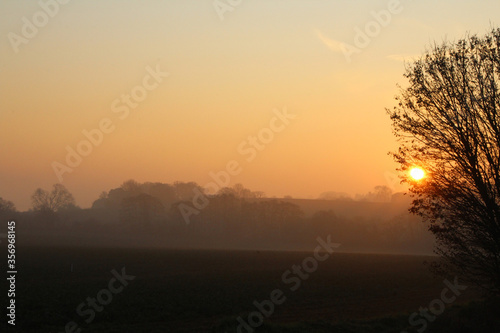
(205, 291)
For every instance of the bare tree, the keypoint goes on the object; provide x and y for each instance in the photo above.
(240, 191)
(448, 122)
(53, 201)
(7, 206)
(132, 187)
(7, 209)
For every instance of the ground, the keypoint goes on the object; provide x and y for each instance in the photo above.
(206, 290)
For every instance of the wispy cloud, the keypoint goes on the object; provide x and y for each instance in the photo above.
(332, 44)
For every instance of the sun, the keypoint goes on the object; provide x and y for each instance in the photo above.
(417, 173)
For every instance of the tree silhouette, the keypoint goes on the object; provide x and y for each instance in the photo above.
(240, 191)
(53, 201)
(7, 209)
(381, 193)
(132, 187)
(447, 122)
(6, 206)
(140, 210)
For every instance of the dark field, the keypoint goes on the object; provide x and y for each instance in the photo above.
(205, 291)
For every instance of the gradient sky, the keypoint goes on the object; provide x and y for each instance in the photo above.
(226, 77)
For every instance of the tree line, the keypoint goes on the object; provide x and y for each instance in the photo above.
(234, 217)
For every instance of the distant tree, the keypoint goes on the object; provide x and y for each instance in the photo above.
(240, 191)
(140, 210)
(7, 209)
(53, 201)
(113, 198)
(224, 212)
(7, 206)
(108, 199)
(259, 194)
(163, 192)
(331, 195)
(380, 193)
(102, 202)
(186, 191)
(226, 191)
(132, 187)
(447, 122)
(277, 215)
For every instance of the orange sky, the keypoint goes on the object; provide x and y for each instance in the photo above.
(226, 80)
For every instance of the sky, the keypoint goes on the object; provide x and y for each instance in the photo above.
(294, 91)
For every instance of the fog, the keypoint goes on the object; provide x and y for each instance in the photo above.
(185, 215)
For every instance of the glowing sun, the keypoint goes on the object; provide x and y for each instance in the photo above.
(417, 173)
